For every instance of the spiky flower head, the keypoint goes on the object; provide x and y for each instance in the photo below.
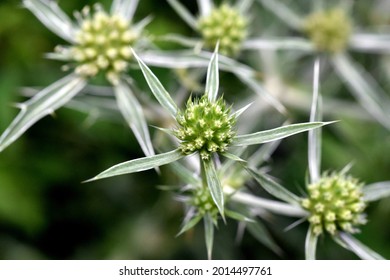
(205, 127)
(102, 44)
(204, 203)
(329, 30)
(335, 202)
(226, 25)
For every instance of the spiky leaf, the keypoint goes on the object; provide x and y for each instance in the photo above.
(139, 164)
(275, 134)
(42, 104)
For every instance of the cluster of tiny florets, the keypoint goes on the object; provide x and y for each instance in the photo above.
(329, 30)
(204, 203)
(335, 203)
(205, 127)
(226, 25)
(102, 44)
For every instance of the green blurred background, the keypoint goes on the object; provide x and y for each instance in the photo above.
(46, 213)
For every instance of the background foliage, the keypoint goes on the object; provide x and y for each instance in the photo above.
(46, 213)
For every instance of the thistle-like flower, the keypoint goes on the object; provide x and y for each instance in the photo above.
(335, 202)
(331, 32)
(199, 204)
(102, 43)
(203, 202)
(226, 25)
(98, 42)
(205, 128)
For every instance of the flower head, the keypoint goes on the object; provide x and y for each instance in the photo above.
(335, 202)
(206, 127)
(98, 43)
(102, 44)
(225, 25)
(202, 200)
(329, 30)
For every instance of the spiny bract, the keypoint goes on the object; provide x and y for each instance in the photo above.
(335, 203)
(205, 127)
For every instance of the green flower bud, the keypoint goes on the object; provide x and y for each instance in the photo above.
(329, 30)
(226, 25)
(205, 127)
(204, 203)
(102, 44)
(335, 202)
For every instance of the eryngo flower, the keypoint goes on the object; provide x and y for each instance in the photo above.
(332, 32)
(205, 128)
(335, 201)
(99, 42)
(328, 30)
(226, 24)
(102, 43)
(199, 204)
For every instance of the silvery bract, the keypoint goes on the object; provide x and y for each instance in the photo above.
(99, 42)
(207, 128)
(335, 202)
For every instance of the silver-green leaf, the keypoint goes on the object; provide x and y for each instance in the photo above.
(124, 7)
(42, 104)
(132, 111)
(209, 234)
(157, 88)
(293, 43)
(238, 216)
(354, 245)
(184, 13)
(314, 140)
(232, 157)
(275, 134)
(274, 188)
(190, 224)
(238, 113)
(260, 232)
(212, 80)
(376, 191)
(370, 42)
(214, 184)
(51, 15)
(140, 164)
(365, 89)
(277, 207)
(310, 245)
(188, 176)
(205, 6)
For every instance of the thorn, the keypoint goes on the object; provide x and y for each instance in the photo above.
(20, 106)
(89, 180)
(52, 113)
